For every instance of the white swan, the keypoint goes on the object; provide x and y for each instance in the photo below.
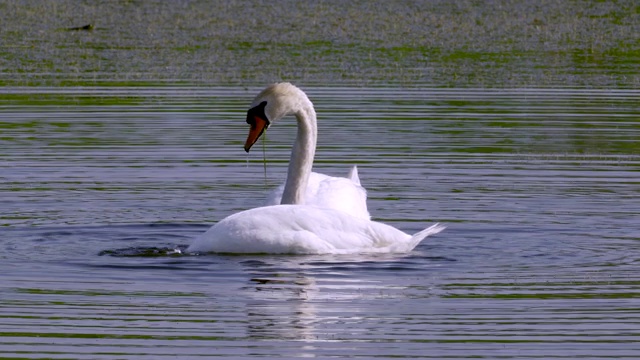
(339, 193)
(293, 227)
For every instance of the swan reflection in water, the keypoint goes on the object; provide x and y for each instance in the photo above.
(315, 298)
(281, 305)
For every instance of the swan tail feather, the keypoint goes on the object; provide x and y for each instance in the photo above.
(353, 175)
(421, 235)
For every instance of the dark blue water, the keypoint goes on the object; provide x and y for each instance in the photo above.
(538, 189)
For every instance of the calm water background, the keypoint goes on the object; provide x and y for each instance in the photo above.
(538, 187)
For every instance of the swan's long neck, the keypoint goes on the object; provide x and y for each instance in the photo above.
(302, 155)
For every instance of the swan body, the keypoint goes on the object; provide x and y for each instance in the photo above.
(295, 226)
(301, 229)
(338, 193)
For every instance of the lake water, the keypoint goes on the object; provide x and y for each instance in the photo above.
(538, 187)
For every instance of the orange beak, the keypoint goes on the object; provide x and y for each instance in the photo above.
(258, 125)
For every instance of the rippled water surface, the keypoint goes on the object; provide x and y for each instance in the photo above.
(538, 187)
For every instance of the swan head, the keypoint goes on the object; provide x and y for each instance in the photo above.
(272, 104)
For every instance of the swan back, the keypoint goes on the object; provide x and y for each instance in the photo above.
(299, 229)
(338, 193)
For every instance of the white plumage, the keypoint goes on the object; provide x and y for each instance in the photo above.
(338, 193)
(312, 213)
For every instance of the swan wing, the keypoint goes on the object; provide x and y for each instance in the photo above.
(338, 193)
(353, 175)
